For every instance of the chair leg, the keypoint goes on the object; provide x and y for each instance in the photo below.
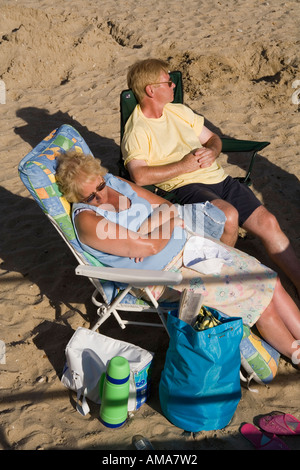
(159, 311)
(112, 310)
(105, 311)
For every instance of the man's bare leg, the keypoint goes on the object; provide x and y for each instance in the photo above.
(231, 229)
(264, 225)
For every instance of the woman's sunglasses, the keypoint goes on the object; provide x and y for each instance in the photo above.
(93, 195)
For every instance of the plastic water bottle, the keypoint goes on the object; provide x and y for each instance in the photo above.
(141, 443)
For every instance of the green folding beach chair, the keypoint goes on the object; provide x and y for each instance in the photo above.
(128, 103)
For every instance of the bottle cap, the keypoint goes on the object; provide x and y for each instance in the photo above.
(118, 370)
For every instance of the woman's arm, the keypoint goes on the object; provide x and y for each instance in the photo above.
(161, 215)
(163, 210)
(101, 234)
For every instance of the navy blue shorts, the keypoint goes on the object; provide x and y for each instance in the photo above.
(230, 190)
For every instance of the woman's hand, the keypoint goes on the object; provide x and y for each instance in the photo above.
(138, 260)
(179, 222)
(161, 215)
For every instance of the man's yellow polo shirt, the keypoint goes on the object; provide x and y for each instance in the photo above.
(166, 140)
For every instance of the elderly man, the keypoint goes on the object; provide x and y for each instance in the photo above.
(167, 144)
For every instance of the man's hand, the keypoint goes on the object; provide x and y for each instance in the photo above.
(190, 162)
(205, 156)
(211, 148)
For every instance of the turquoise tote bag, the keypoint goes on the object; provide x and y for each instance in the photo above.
(199, 388)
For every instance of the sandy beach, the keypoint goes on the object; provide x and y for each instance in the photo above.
(66, 62)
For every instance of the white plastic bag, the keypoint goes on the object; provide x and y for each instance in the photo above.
(87, 357)
(205, 256)
(2, 352)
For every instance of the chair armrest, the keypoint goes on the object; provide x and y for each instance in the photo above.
(236, 145)
(134, 277)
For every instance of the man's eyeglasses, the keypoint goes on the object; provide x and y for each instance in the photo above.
(169, 82)
(93, 195)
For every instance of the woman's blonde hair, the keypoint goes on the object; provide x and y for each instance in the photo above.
(73, 168)
(143, 73)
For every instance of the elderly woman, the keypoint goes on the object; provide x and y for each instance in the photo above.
(126, 226)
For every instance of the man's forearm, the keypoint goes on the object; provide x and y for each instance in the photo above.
(215, 144)
(143, 174)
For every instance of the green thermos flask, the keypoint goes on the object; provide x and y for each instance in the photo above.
(114, 392)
